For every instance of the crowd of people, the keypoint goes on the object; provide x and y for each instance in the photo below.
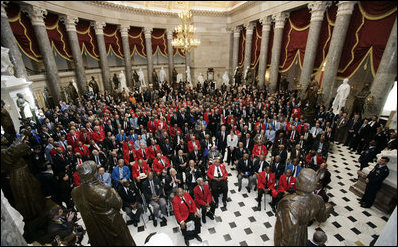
(170, 148)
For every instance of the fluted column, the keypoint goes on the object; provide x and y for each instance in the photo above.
(235, 53)
(344, 12)
(317, 10)
(170, 54)
(385, 76)
(230, 33)
(126, 53)
(276, 48)
(36, 16)
(148, 44)
(266, 22)
(99, 32)
(248, 46)
(70, 24)
(8, 40)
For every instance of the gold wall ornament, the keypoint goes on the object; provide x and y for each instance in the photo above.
(369, 99)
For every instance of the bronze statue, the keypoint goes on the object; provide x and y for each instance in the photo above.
(136, 78)
(93, 84)
(115, 82)
(311, 95)
(72, 91)
(359, 101)
(238, 76)
(7, 124)
(295, 211)
(100, 207)
(155, 80)
(174, 75)
(25, 188)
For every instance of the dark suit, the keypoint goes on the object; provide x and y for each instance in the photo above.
(367, 156)
(63, 229)
(161, 203)
(169, 188)
(130, 198)
(376, 178)
(101, 160)
(324, 150)
(221, 142)
(278, 171)
(363, 137)
(192, 175)
(257, 166)
(352, 126)
(247, 168)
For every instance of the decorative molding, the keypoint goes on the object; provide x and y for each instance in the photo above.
(345, 7)
(266, 22)
(318, 9)
(124, 30)
(98, 27)
(70, 22)
(279, 19)
(36, 14)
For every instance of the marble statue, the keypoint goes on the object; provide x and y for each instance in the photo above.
(99, 206)
(93, 84)
(72, 90)
(179, 78)
(341, 97)
(7, 68)
(25, 188)
(188, 71)
(141, 78)
(225, 78)
(162, 75)
(23, 105)
(201, 79)
(296, 210)
(360, 100)
(174, 75)
(123, 83)
(7, 124)
(246, 71)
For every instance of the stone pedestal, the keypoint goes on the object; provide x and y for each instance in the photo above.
(11, 225)
(10, 86)
(388, 236)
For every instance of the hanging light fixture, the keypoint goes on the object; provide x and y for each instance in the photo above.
(185, 33)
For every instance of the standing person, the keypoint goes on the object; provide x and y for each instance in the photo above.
(374, 181)
(222, 141)
(232, 143)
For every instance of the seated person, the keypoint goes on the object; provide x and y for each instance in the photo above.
(99, 158)
(295, 167)
(321, 192)
(204, 200)
(368, 155)
(323, 175)
(287, 185)
(131, 201)
(154, 196)
(193, 143)
(212, 155)
(161, 165)
(218, 176)
(197, 156)
(185, 211)
(192, 175)
(259, 149)
(313, 160)
(172, 183)
(321, 146)
(104, 177)
(180, 161)
(140, 171)
(245, 170)
(120, 172)
(265, 184)
(259, 166)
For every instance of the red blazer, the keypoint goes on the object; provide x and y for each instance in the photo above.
(157, 165)
(202, 198)
(136, 170)
(98, 137)
(76, 179)
(190, 145)
(173, 131)
(262, 179)
(257, 150)
(138, 153)
(296, 112)
(151, 153)
(84, 152)
(126, 155)
(262, 125)
(181, 211)
(319, 159)
(206, 117)
(85, 140)
(283, 186)
(125, 145)
(70, 139)
(157, 124)
(210, 171)
(150, 127)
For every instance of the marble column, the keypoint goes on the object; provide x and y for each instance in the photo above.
(148, 44)
(235, 54)
(266, 22)
(230, 32)
(344, 12)
(36, 16)
(188, 59)
(276, 48)
(317, 10)
(248, 46)
(70, 24)
(385, 76)
(170, 54)
(99, 32)
(8, 40)
(126, 53)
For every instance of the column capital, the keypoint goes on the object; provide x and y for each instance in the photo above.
(237, 31)
(69, 21)
(169, 33)
(3, 8)
(98, 27)
(36, 14)
(249, 26)
(124, 29)
(148, 32)
(279, 19)
(318, 9)
(266, 22)
(345, 7)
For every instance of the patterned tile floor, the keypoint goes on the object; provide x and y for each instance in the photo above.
(242, 225)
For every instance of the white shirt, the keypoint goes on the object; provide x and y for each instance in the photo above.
(232, 141)
(215, 171)
(261, 166)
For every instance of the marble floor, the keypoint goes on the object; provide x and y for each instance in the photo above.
(242, 225)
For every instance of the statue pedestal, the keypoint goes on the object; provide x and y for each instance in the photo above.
(10, 86)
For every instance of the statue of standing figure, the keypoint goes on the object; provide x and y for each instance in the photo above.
(115, 82)
(99, 206)
(237, 76)
(93, 84)
(136, 78)
(23, 105)
(188, 71)
(141, 78)
(311, 95)
(123, 83)
(72, 90)
(162, 75)
(155, 80)
(7, 68)
(201, 79)
(341, 97)
(225, 78)
(174, 75)
(179, 78)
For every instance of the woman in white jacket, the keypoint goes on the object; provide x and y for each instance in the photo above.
(232, 143)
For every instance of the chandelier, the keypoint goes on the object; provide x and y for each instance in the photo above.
(185, 33)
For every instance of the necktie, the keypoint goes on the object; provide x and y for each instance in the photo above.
(186, 204)
(266, 180)
(153, 189)
(97, 160)
(181, 159)
(79, 161)
(288, 181)
(161, 160)
(218, 172)
(74, 138)
(143, 154)
(102, 178)
(294, 171)
(201, 189)
(114, 160)
(261, 166)
(139, 167)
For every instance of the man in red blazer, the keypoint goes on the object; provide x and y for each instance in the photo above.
(142, 153)
(193, 143)
(129, 154)
(82, 149)
(287, 185)
(161, 165)
(204, 200)
(98, 135)
(185, 211)
(265, 184)
(314, 160)
(218, 175)
(73, 138)
(153, 150)
(259, 149)
(138, 167)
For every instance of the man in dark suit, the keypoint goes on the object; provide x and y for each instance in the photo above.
(61, 166)
(245, 170)
(363, 136)
(131, 201)
(353, 126)
(368, 155)
(193, 173)
(222, 140)
(100, 159)
(109, 127)
(173, 181)
(374, 181)
(297, 153)
(197, 156)
(153, 192)
(293, 137)
(277, 167)
(180, 162)
(248, 143)
(282, 153)
(321, 147)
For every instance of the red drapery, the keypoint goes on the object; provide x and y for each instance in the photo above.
(256, 45)
(113, 40)
(87, 39)
(242, 44)
(368, 33)
(295, 36)
(23, 31)
(159, 42)
(136, 41)
(57, 35)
